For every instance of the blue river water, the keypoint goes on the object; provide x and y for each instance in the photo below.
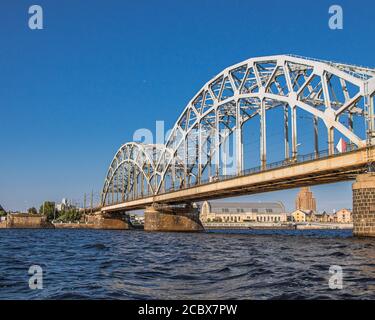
(249, 264)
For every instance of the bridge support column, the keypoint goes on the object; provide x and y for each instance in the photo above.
(172, 219)
(112, 221)
(364, 205)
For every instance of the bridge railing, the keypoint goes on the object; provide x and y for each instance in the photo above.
(323, 154)
(274, 165)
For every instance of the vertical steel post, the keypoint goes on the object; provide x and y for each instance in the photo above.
(294, 132)
(155, 181)
(263, 131)
(209, 156)
(286, 132)
(372, 115)
(164, 181)
(316, 137)
(123, 183)
(224, 152)
(369, 108)
(133, 191)
(130, 186)
(117, 182)
(217, 143)
(331, 146)
(141, 176)
(136, 182)
(185, 160)
(173, 174)
(199, 152)
(148, 178)
(113, 190)
(239, 142)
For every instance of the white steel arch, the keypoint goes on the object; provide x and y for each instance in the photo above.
(133, 172)
(328, 91)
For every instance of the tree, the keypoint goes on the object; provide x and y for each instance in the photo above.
(48, 209)
(32, 210)
(71, 215)
(2, 213)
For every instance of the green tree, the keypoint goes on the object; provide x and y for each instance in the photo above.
(70, 215)
(2, 213)
(32, 210)
(48, 209)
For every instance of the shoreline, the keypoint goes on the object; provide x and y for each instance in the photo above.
(103, 223)
(257, 226)
(84, 226)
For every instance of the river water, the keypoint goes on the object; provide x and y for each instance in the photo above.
(251, 264)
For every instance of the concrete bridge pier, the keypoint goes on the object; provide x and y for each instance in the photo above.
(177, 219)
(111, 221)
(364, 205)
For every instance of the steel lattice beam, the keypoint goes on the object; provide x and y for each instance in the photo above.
(243, 92)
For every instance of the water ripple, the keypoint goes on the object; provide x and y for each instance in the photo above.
(241, 264)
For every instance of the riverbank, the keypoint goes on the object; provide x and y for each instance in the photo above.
(324, 226)
(25, 221)
(278, 226)
(99, 222)
(95, 221)
(105, 225)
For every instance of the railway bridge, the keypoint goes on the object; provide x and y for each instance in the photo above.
(264, 124)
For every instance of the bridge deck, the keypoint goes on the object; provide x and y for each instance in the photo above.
(335, 168)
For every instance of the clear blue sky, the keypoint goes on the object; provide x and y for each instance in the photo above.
(72, 93)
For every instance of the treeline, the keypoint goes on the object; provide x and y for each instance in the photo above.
(48, 208)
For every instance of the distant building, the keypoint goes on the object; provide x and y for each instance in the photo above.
(308, 216)
(242, 212)
(65, 205)
(305, 200)
(322, 217)
(300, 215)
(343, 216)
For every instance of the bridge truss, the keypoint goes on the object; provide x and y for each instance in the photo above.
(338, 96)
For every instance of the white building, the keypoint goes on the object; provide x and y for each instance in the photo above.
(243, 212)
(64, 205)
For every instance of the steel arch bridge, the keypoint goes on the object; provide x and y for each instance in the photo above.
(339, 97)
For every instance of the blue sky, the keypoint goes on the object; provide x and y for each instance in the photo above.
(72, 93)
